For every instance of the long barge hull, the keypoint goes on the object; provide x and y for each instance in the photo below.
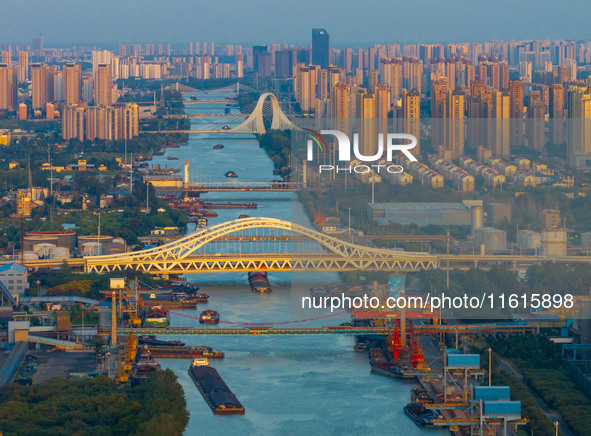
(215, 391)
(168, 304)
(185, 352)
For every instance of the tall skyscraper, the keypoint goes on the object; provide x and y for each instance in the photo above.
(305, 83)
(73, 122)
(7, 57)
(516, 94)
(261, 60)
(366, 115)
(411, 115)
(23, 64)
(557, 113)
(103, 85)
(455, 137)
(42, 84)
(339, 111)
(72, 83)
(536, 112)
(128, 121)
(578, 109)
(8, 88)
(320, 48)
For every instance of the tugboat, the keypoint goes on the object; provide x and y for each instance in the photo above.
(172, 158)
(201, 223)
(421, 416)
(231, 174)
(243, 216)
(209, 317)
(361, 346)
(218, 146)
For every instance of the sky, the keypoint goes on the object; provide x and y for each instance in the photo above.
(360, 22)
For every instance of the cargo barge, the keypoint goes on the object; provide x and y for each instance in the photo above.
(229, 205)
(209, 317)
(258, 282)
(214, 390)
(174, 352)
(420, 416)
(175, 301)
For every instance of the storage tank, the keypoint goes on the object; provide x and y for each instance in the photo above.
(43, 251)
(30, 255)
(528, 240)
(30, 240)
(584, 321)
(103, 239)
(60, 238)
(554, 242)
(60, 253)
(476, 218)
(492, 239)
(92, 249)
(586, 242)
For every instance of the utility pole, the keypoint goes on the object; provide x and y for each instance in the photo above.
(147, 198)
(349, 221)
(489, 366)
(131, 175)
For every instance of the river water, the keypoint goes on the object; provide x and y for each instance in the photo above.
(289, 385)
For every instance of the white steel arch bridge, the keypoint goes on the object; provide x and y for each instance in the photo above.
(220, 249)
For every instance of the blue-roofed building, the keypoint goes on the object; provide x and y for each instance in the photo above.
(15, 277)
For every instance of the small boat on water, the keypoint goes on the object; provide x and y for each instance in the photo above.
(209, 317)
(231, 174)
(218, 146)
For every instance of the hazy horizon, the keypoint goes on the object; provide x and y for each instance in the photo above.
(176, 22)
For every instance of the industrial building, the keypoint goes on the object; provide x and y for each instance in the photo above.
(421, 214)
(14, 276)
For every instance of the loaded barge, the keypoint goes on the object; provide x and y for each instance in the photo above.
(215, 391)
(183, 352)
(258, 282)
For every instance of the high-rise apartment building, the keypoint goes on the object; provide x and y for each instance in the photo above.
(73, 122)
(8, 88)
(42, 85)
(557, 113)
(536, 112)
(305, 84)
(103, 85)
(578, 109)
(411, 117)
(23, 65)
(516, 94)
(72, 75)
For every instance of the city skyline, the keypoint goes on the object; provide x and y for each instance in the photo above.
(424, 21)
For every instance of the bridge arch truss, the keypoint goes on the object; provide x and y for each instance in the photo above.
(255, 121)
(179, 257)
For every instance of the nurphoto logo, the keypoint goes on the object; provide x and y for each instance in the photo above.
(395, 142)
